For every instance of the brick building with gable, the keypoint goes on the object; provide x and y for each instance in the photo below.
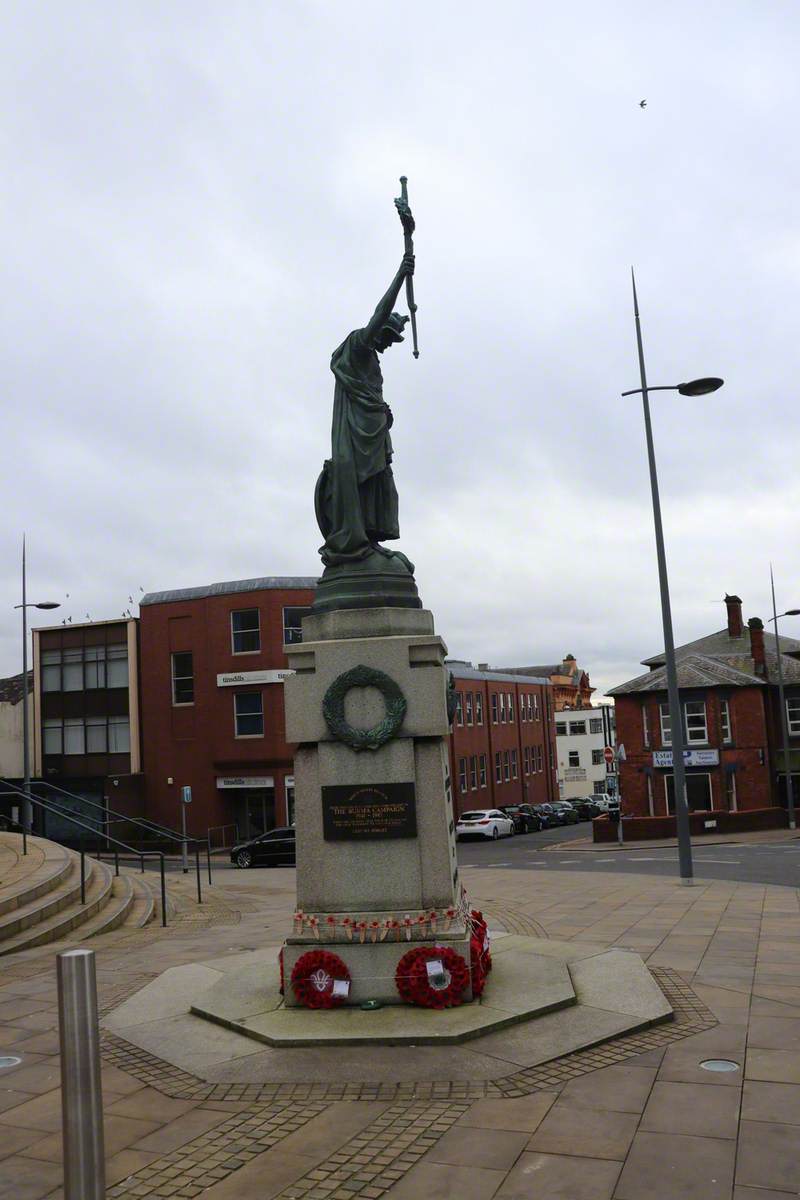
(731, 722)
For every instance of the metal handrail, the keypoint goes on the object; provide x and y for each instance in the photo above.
(150, 826)
(140, 854)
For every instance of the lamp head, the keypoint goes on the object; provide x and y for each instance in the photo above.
(700, 387)
(48, 604)
(792, 612)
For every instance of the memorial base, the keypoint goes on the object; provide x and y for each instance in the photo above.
(372, 967)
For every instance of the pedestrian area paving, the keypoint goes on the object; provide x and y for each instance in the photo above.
(633, 1117)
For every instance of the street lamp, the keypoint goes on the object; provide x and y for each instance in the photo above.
(790, 612)
(27, 813)
(696, 387)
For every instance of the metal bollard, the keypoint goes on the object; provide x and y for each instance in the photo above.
(81, 1090)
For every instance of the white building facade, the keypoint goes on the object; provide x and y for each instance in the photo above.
(582, 735)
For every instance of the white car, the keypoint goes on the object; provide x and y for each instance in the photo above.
(484, 822)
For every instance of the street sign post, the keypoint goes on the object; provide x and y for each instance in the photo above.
(186, 798)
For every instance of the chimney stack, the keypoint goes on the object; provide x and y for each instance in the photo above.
(756, 627)
(734, 607)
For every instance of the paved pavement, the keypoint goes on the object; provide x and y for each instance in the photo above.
(646, 1121)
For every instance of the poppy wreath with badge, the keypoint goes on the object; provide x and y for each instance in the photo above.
(313, 977)
(415, 986)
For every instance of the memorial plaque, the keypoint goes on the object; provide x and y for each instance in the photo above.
(358, 813)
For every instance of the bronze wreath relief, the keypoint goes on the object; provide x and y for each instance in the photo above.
(378, 735)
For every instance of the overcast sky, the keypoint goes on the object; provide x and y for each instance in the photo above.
(197, 208)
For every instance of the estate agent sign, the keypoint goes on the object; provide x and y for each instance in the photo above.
(691, 758)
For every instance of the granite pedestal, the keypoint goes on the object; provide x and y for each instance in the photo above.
(364, 866)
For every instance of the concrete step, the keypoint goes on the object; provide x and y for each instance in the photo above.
(99, 891)
(114, 912)
(26, 877)
(38, 908)
(143, 908)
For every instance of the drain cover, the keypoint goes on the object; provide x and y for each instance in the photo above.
(719, 1064)
(9, 1061)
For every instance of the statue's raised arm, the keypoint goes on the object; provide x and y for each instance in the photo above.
(380, 319)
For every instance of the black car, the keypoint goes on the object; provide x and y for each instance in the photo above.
(547, 815)
(518, 817)
(586, 809)
(566, 813)
(273, 849)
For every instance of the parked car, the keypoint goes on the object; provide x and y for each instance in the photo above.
(484, 822)
(524, 818)
(586, 808)
(566, 812)
(601, 802)
(533, 820)
(517, 816)
(547, 815)
(273, 849)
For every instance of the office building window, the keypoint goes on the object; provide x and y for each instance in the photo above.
(51, 670)
(725, 721)
(574, 758)
(96, 736)
(511, 706)
(482, 762)
(246, 631)
(561, 729)
(540, 758)
(53, 739)
(506, 766)
(117, 666)
(72, 670)
(526, 760)
(597, 758)
(459, 708)
(577, 728)
(469, 707)
(74, 739)
(119, 735)
(478, 708)
(536, 707)
(793, 714)
(494, 708)
(696, 729)
(645, 727)
(514, 765)
(462, 775)
(94, 675)
(473, 773)
(249, 714)
(502, 708)
(666, 725)
(182, 678)
(293, 625)
(498, 768)
(523, 707)
(595, 725)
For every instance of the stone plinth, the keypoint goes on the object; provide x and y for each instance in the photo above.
(364, 872)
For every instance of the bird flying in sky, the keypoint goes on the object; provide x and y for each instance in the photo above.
(642, 104)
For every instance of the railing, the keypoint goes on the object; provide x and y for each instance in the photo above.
(150, 827)
(223, 842)
(10, 790)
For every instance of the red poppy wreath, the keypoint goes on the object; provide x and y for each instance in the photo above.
(313, 977)
(442, 990)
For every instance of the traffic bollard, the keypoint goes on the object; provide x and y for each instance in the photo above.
(81, 1090)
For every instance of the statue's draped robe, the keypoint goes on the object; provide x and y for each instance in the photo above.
(356, 498)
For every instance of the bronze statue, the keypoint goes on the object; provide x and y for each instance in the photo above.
(356, 499)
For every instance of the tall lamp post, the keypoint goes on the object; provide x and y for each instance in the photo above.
(697, 387)
(27, 814)
(790, 612)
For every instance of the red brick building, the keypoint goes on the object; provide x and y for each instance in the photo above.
(571, 686)
(731, 722)
(212, 666)
(502, 748)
